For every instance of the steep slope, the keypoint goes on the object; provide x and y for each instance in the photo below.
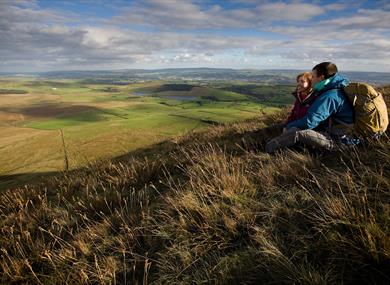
(207, 207)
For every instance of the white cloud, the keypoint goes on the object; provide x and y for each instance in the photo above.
(186, 15)
(364, 19)
(289, 12)
(336, 6)
(31, 37)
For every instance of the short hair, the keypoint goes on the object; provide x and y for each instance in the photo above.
(327, 69)
(307, 76)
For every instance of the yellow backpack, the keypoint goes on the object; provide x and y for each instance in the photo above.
(370, 109)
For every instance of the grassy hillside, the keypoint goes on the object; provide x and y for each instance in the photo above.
(207, 207)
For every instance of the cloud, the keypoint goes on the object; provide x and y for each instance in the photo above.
(167, 14)
(364, 19)
(289, 12)
(25, 43)
(183, 32)
(336, 6)
(19, 13)
(182, 14)
(359, 37)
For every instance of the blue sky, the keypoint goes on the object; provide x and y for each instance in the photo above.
(69, 35)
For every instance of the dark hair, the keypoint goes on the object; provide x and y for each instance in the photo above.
(327, 69)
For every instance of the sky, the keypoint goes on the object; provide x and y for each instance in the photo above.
(46, 35)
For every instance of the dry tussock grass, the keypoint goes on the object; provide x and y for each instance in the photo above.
(219, 212)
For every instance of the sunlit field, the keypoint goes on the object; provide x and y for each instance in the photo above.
(51, 125)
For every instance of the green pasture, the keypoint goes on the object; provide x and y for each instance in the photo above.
(270, 95)
(116, 121)
(152, 113)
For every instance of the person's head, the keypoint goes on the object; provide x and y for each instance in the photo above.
(323, 71)
(304, 81)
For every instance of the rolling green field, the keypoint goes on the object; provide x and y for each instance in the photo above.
(102, 121)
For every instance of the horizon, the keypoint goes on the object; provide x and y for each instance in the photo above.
(167, 68)
(48, 36)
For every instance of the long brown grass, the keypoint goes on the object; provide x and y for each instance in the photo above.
(208, 207)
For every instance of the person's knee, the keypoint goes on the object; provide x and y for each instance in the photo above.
(285, 140)
(315, 139)
(292, 130)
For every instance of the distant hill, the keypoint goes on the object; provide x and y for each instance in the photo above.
(198, 74)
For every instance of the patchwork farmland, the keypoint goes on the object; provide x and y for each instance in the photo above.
(50, 125)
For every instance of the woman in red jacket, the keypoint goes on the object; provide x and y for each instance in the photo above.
(304, 97)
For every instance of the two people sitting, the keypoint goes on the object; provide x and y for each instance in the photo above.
(322, 116)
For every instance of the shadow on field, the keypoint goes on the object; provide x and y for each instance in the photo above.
(49, 83)
(18, 180)
(51, 110)
(226, 137)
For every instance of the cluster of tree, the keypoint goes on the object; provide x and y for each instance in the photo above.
(175, 87)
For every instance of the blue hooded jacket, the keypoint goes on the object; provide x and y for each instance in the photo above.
(331, 102)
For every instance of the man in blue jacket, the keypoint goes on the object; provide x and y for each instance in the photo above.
(326, 120)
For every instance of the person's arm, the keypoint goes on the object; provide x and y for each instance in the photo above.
(321, 110)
